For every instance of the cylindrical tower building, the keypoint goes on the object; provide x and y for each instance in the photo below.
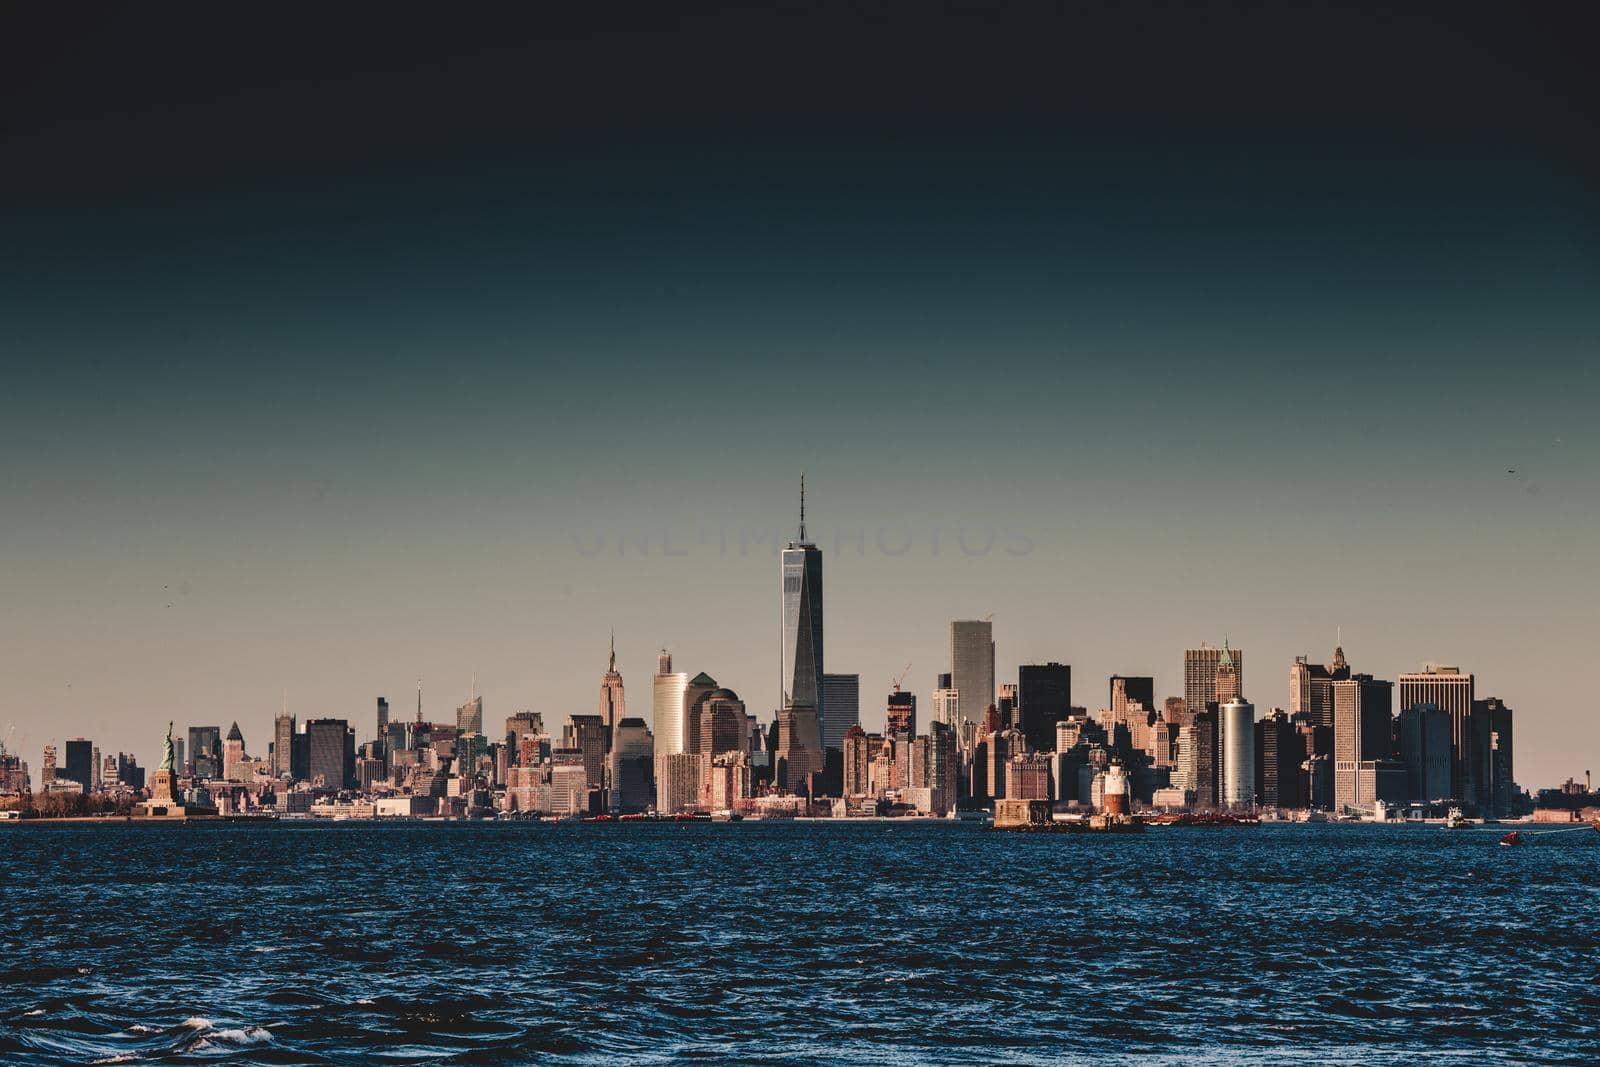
(1238, 753)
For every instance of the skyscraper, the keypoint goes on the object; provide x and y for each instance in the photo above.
(721, 724)
(80, 763)
(469, 716)
(799, 755)
(669, 714)
(1206, 757)
(900, 715)
(1427, 750)
(695, 694)
(330, 752)
(1135, 689)
(205, 751)
(1311, 686)
(841, 695)
(283, 743)
(1200, 675)
(972, 666)
(1363, 729)
(613, 708)
(1238, 753)
(383, 717)
(1452, 692)
(1280, 750)
(857, 757)
(801, 655)
(586, 734)
(232, 753)
(1044, 698)
(946, 704)
(632, 766)
(1229, 684)
(1502, 782)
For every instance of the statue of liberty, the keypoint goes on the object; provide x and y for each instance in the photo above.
(166, 753)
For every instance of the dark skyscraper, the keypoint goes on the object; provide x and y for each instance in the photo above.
(801, 655)
(205, 751)
(1280, 750)
(1451, 691)
(1502, 783)
(330, 752)
(900, 715)
(1427, 750)
(1044, 698)
(841, 695)
(1207, 758)
(283, 745)
(586, 734)
(1135, 688)
(80, 763)
(383, 718)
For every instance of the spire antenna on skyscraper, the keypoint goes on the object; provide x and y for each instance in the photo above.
(802, 505)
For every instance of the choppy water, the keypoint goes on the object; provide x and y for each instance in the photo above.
(793, 943)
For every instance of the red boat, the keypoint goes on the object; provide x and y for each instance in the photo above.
(1514, 838)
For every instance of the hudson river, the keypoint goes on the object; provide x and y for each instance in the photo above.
(794, 943)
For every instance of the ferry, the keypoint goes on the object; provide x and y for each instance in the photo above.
(1455, 820)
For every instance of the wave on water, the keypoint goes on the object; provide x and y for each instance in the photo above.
(802, 943)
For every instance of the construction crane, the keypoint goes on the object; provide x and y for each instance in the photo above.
(894, 686)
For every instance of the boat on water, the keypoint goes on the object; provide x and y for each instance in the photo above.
(1455, 820)
(1515, 837)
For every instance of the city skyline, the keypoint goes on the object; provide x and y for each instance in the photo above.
(871, 715)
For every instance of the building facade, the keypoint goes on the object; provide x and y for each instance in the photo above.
(1200, 675)
(1363, 728)
(669, 714)
(801, 652)
(841, 697)
(1044, 698)
(972, 667)
(1238, 777)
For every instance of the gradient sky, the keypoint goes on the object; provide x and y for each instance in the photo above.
(346, 346)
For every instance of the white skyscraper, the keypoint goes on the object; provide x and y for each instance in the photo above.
(1238, 717)
(670, 729)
